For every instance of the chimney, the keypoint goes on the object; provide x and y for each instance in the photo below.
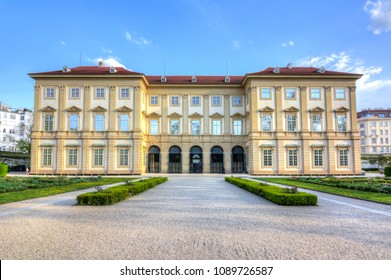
(100, 65)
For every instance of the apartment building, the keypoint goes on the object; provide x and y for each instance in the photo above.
(109, 120)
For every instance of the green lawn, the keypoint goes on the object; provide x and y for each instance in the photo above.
(47, 191)
(371, 196)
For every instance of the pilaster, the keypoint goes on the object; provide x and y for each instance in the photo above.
(61, 108)
(60, 152)
(37, 108)
(34, 167)
(185, 114)
(163, 119)
(279, 111)
(112, 108)
(304, 108)
(86, 156)
(329, 110)
(227, 118)
(206, 116)
(332, 156)
(87, 108)
(253, 109)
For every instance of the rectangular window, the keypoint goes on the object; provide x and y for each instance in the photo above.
(75, 93)
(154, 127)
(175, 100)
(291, 123)
(374, 141)
(72, 157)
(98, 157)
(374, 150)
(154, 100)
(343, 157)
(216, 101)
(124, 157)
(267, 123)
(124, 93)
(49, 122)
(49, 93)
(124, 122)
(292, 160)
(99, 122)
(100, 93)
(386, 140)
(195, 100)
(74, 122)
(339, 93)
(195, 127)
(373, 132)
(361, 125)
(381, 141)
(362, 133)
(237, 127)
(373, 124)
(174, 127)
(216, 127)
(381, 132)
(237, 101)
(22, 118)
(12, 116)
(290, 93)
(316, 123)
(341, 121)
(266, 93)
(382, 115)
(315, 93)
(362, 141)
(47, 156)
(267, 158)
(318, 157)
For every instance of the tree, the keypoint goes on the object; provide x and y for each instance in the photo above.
(384, 160)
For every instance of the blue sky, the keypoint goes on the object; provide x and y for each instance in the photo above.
(196, 36)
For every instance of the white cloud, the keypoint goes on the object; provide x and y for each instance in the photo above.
(109, 61)
(140, 41)
(63, 43)
(371, 90)
(237, 44)
(288, 44)
(128, 36)
(380, 14)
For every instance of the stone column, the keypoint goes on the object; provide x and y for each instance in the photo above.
(206, 116)
(34, 163)
(112, 115)
(227, 117)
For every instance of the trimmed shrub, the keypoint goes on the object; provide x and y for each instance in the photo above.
(387, 171)
(3, 169)
(274, 194)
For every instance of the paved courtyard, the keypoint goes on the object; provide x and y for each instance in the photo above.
(195, 217)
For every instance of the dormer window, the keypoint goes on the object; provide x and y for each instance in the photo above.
(227, 79)
(194, 79)
(163, 79)
(113, 70)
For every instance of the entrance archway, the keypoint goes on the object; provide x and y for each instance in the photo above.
(195, 159)
(238, 160)
(217, 160)
(154, 159)
(175, 160)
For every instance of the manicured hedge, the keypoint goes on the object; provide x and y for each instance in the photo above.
(3, 169)
(116, 194)
(273, 193)
(387, 171)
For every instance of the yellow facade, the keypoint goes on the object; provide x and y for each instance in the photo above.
(281, 121)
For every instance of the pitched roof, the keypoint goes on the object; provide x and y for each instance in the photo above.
(88, 70)
(204, 80)
(299, 71)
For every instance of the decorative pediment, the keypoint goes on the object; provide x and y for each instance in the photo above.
(99, 109)
(123, 145)
(216, 116)
(195, 116)
(153, 115)
(292, 109)
(341, 109)
(316, 109)
(73, 109)
(124, 109)
(174, 116)
(292, 146)
(237, 115)
(48, 109)
(266, 109)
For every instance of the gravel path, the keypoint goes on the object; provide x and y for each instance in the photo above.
(195, 217)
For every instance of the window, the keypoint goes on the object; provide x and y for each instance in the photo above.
(290, 93)
(12, 116)
(373, 124)
(386, 132)
(216, 100)
(99, 122)
(74, 122)
(374, 141)
(75, 93)
(124, 93)
(174, 127)
(154, 100)
(341, 121)
(318, 157)
(98, 157)
(380, 123)
(124, 157)
(361, 125)
(316, 123)
(267, 157)
(267, 123)
(49, 122)
(315, 93)
(291, 123)
(124, 122)
(265, 93)
(382, 115)
(22, 118)
(216, 127)
(154, 127)
(373, 132)
(49, 93)
(343, 157)
(195, 100)
(363, 150)
(237, 101)
(237, 127)
(339, 93)
(72, 157)
(100, 93)
(374, 150)
(381, 141)
(47, 156)
(175, 100)
(195, 127)
(381, 132)
(362, 141)
(386, 140)
(362, 133)
(292, 157)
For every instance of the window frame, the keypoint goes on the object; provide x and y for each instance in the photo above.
(216, 101)
(263, 91)
(216, 127)
(193, 98)
(339, 117)
(199, 126)
(72, 122)
(71, 93)
(312, 94)
(288, 91)
(237, 130)
(338, 92)
(72, 159)
(100, 91)
(154, 127)
(52, 93)
(154, 100)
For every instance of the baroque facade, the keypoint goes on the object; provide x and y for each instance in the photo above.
(109, 120)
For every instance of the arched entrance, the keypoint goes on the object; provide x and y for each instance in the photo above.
(175, 160)
(154, 159)
(217, 160)
(195, 159)
(238, 162)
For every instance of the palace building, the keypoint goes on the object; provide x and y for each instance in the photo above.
(279, 121)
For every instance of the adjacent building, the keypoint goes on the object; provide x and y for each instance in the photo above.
(375, 131)
(109, 120)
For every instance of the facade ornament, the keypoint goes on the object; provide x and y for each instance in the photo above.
(206, 96)
(164, 96)
(87, 87)
(352, 88)
(327, 88)
(278, 87)
(185, 96)
(112, 87)
(37, 87)
(303, 88)
(62, 86)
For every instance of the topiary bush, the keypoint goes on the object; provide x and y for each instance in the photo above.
(3, 169)
(387, 171)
